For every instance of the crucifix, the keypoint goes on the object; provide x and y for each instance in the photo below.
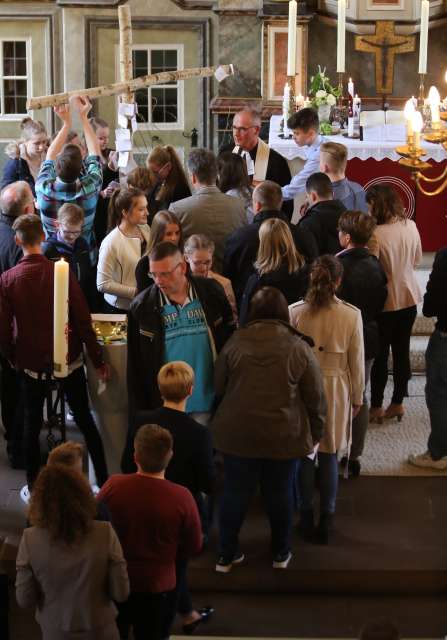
(385, 45)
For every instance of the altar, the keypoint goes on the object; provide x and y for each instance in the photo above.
(375, 161)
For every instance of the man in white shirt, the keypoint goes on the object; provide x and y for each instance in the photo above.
(305, 127)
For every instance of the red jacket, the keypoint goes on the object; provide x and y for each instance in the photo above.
(156, 521)
(26, 316)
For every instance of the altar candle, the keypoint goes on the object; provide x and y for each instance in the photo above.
(291, 45)
(423, 38)
(351, 88)
(417, 123)
(408, 113)
(60, 319)
(299, 101)
(341, 35)
(414, 101)
(433, 100)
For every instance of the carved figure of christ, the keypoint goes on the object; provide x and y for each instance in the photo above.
(385, 45)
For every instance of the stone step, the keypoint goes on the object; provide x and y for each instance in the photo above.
(423, 326)
(418, 346)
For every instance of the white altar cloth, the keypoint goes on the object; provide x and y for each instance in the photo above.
(362, 149)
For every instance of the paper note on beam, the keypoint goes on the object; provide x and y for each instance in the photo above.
(122, 121)
(125, 109)
(123, 145)
(220, 73)
(122, 134)
(123, 160)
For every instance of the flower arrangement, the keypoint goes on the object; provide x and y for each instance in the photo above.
(321, 90)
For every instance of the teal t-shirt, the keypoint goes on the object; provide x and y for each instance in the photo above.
(187, 339)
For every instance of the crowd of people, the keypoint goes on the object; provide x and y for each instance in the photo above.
(251, 341)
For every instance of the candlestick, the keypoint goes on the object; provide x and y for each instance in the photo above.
(423, 37)
(341, 35)
(421, 90)
(60, 319)
(340, 89)
(291, 42)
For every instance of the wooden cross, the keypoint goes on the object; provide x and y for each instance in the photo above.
(385, 45)
(128, 85)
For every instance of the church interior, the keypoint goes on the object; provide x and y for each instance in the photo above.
(358, 64)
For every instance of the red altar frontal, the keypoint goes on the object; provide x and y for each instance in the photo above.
(429, 213)
(376, 163)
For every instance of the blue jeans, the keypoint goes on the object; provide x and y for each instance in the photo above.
(242, 476)
(436, 394)
(328, 482)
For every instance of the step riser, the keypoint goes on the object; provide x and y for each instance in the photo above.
(380, 583)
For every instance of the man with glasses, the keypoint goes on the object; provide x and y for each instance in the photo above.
(180, 317)
(263, 163)
(69, 244)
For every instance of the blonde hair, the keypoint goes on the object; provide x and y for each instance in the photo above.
(276, 248)
(336, 156)
(198, 242)
(175, 380)
(68, 453)
(29, 128)
(71, 213)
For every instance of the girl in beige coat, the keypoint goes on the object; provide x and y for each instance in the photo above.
(336, 329)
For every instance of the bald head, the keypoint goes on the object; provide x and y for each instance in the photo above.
(16, 199)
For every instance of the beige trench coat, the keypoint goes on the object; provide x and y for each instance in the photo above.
(338, 335)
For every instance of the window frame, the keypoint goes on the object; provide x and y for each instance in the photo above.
(162, 126)
(15, 117)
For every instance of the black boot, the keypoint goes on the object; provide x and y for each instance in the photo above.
(324, 528)
(306, 527)
(354, 468)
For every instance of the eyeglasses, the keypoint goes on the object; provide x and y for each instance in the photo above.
(243, 129)
(163, 274)
(70, 232)
(201, 263)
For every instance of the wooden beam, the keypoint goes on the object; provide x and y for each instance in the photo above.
(125, 27)
(118, 88)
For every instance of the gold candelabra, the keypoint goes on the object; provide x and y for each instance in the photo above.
(412, 153)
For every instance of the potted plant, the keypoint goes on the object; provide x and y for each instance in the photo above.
(323, 94)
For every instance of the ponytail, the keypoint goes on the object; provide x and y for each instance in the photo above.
(121, 200)
(324, 276)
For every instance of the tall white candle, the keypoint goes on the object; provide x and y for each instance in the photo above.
(408, 113)
(60, 319)
(291, 44)
(434, 100)
(341, 36)
(423, 38)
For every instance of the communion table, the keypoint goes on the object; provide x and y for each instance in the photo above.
(374, 161)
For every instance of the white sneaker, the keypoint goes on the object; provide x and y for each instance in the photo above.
(425, 461)
(281, 561)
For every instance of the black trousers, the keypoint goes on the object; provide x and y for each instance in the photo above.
(12, 409)
(75, 389)
(149, 614)
(395, 332)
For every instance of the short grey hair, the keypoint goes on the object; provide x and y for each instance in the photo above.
(254, 113)
(203, 164)
(269, 195)
(14, 198)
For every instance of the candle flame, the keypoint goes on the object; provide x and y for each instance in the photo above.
(433, 96)
(418, 123)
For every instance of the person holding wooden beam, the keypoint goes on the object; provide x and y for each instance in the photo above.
(65, 177)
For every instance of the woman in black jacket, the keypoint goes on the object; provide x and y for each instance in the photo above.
(168, 180)
(363, 285)
(278, 265)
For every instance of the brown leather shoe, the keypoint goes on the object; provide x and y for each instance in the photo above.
(395, 411)
(376, 414)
